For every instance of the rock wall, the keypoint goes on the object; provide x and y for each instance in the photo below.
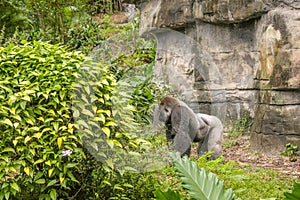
(231, 58)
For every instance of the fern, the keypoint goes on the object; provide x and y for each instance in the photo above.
(200, 185)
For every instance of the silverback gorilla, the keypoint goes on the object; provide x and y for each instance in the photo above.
(184, 127)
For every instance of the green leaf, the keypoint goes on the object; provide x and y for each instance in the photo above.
(7, 194)
(4, 185)
(38, 161)
(26, 98)
(88, 113)
(106, 131)
(27, 138)
(23, 105)
(295, 195)
(2, 174)
(71, 176)
(52, 182)
(55, 125)
(83, 123)
(38, 135)
(53, 194)
(8, 122)
(29, 91)
(200, 186)
(168, 195)
(76, 113)
(40, 181)
(8, 149)
(15, 186)
(71, 165)
(5, 88)
(35, 128)
(111, 124)
(17, 117)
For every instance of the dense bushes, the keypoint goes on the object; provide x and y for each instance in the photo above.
(42, 153)
(35, 120)
(61, 21)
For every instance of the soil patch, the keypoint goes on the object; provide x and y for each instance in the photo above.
(243, 155)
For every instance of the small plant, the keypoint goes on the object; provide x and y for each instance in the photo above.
(291, 151)
(198, 183)
(241, 126)
(230, 143)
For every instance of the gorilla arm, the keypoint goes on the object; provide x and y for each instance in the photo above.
(181, 122)
(184, 129)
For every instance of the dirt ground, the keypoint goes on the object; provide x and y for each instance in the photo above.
(242, 154)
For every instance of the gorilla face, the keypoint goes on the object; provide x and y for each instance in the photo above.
(164, 113)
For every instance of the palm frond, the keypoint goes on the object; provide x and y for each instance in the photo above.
(200, 185)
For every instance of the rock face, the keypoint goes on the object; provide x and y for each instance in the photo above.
(232, 59)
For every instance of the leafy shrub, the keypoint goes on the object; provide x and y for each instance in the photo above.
(84, 34)
(35, 120)
(291, 151)
(42, 154)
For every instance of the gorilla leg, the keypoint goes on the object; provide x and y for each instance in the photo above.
(213, 140)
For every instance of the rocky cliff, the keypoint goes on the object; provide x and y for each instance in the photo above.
(232, 58)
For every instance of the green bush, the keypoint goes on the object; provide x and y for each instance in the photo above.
(37, 131)
(42, 154)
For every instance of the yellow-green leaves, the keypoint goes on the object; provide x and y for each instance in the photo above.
(106, 131)
(59, 142)
(36, 86)
(27, 170)
(7, 122)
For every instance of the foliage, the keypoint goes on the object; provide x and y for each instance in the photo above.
(291, 151)
(83, 34)
(59, 21)
(101, 6)
(35, 120)
(54, 18)
(168, 195)
(241, 126)
(129, 186)
(295, 195)
(13, 15)
(199, 184)
(42, 153)
(248, 182)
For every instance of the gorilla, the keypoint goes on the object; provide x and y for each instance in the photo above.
(184, 127)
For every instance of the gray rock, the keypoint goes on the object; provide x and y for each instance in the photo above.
(227, 58)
